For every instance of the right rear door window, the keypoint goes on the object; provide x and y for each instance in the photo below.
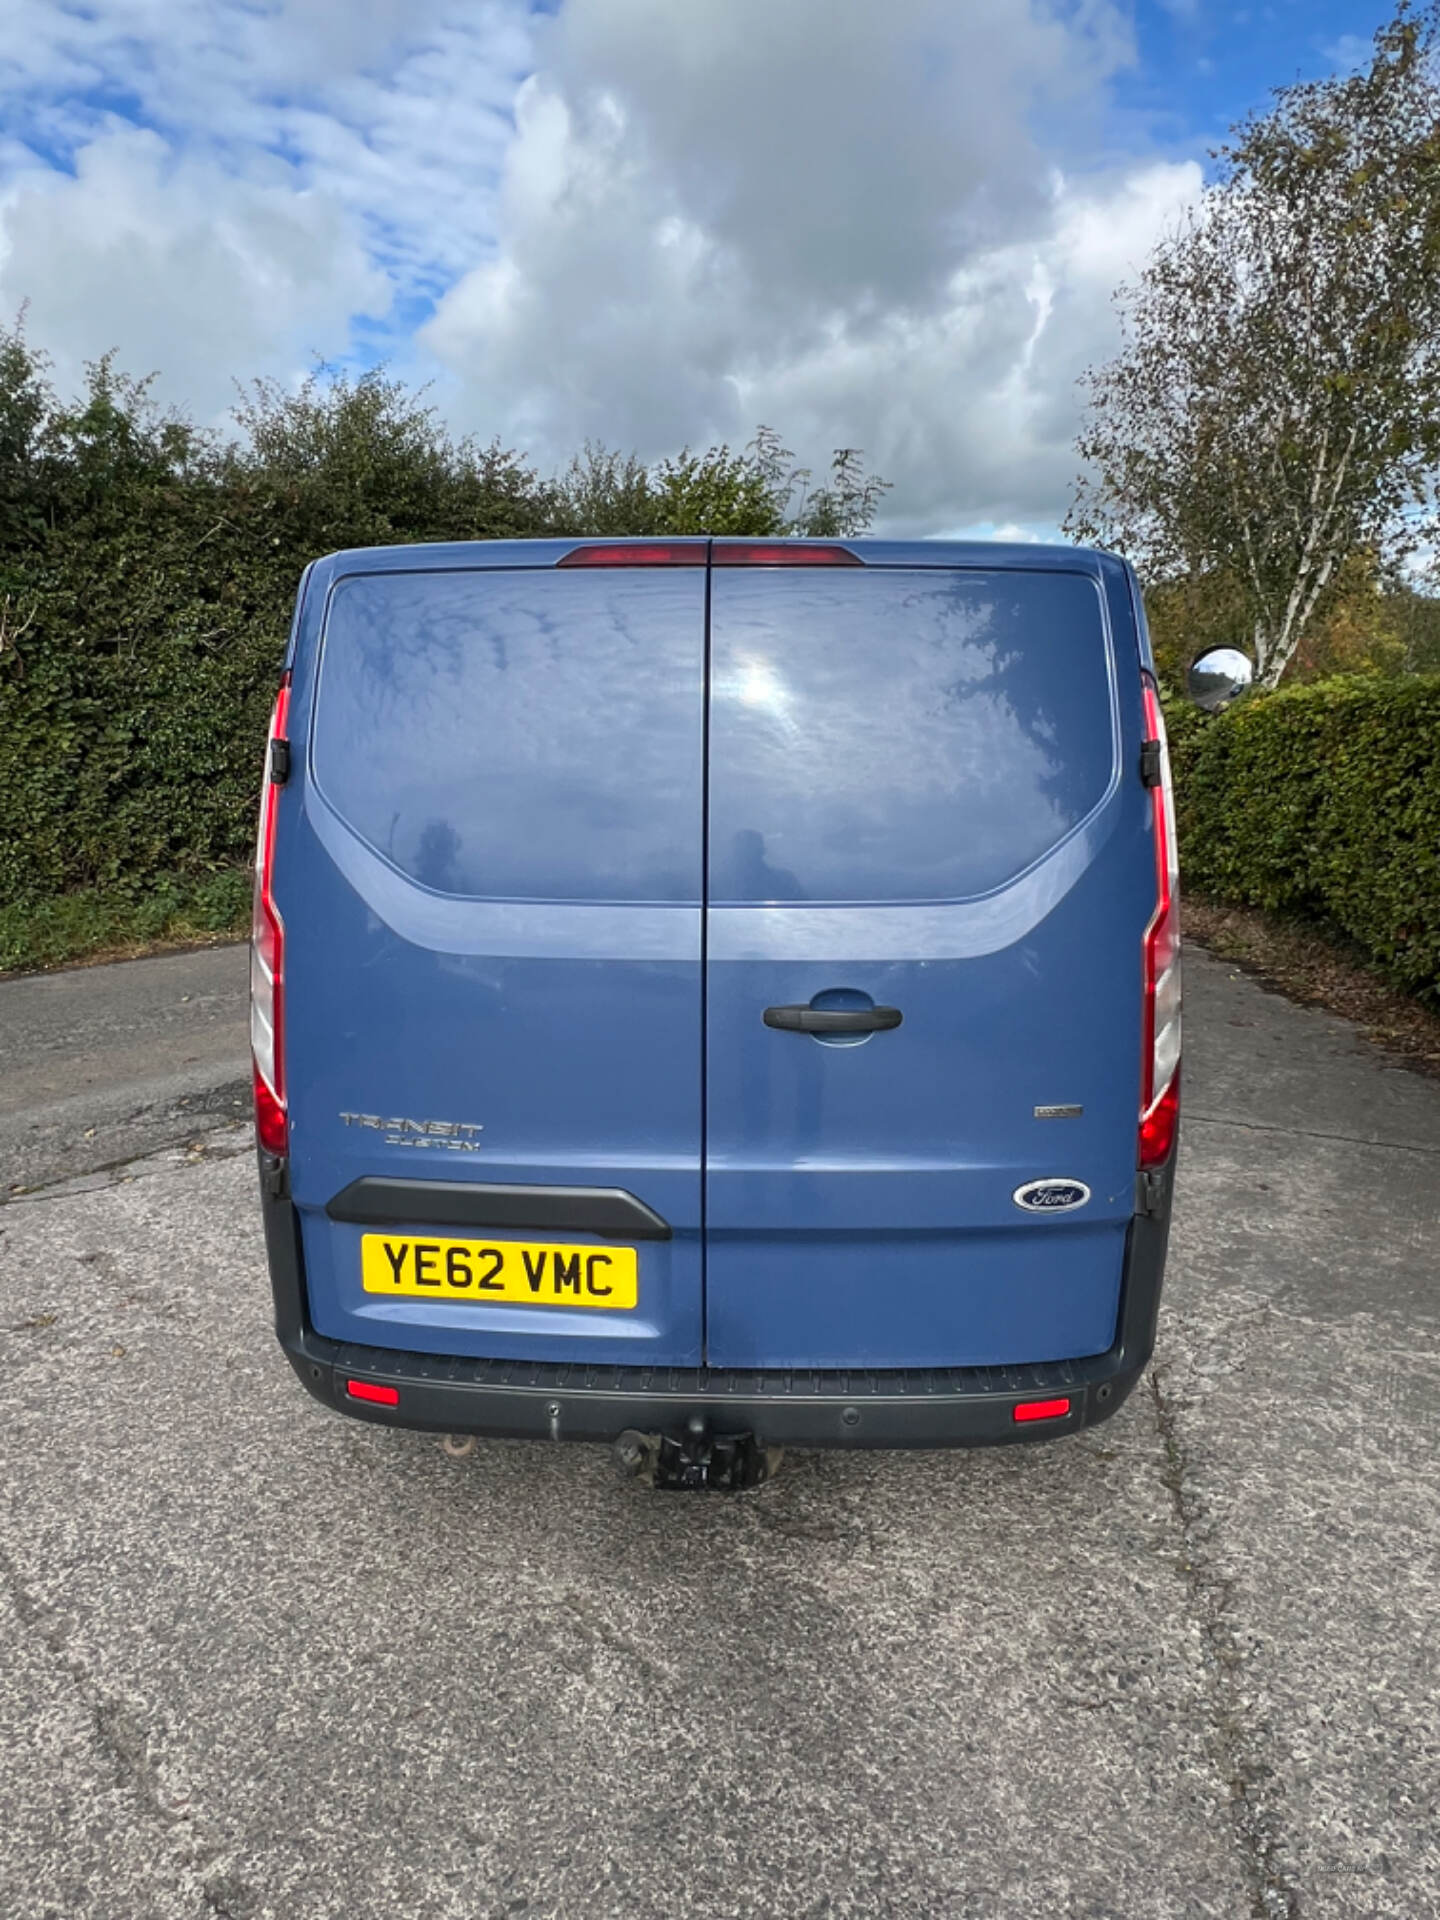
(894, 735)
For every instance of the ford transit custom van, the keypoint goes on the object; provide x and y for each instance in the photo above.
(718, 995)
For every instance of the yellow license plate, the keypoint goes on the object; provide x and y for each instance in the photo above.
(511, 1272)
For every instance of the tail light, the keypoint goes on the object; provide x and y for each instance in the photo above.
(1160, 1038)
(267, 954)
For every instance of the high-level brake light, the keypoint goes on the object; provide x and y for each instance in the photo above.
(755, 553)
(720, 553)
(267, 953)
(1160, 1036)
(653, 553)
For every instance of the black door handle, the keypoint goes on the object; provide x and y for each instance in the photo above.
(833, 1019)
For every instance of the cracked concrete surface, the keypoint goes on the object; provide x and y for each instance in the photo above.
(259, 1661)
(1272, 1891)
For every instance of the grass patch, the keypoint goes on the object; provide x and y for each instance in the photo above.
(99, 923)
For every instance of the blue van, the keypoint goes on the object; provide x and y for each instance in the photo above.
(719, 993)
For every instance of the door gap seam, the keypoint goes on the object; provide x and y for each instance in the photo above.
(705, 968)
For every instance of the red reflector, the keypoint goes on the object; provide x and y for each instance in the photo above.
(272, 1128)
(366, 1390)
(1042, 1409)
(748, 553)
(666, 553)
(1157, 1129)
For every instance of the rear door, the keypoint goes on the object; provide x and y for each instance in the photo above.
(491, 889)
(921, 797)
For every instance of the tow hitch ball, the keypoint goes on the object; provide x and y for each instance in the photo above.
(694, 1459)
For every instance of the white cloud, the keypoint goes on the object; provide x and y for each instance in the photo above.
(835, 218)
(180, 267)
(1349, 52)
(220, 189)
(972, 407)
(647, 222)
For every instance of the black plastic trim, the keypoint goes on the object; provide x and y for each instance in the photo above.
(516, 1400)
(859, 1407)
(379, 1202)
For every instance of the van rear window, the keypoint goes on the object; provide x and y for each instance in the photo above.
(898, 734)
(520, 735)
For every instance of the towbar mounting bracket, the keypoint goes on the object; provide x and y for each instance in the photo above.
(695, 1461)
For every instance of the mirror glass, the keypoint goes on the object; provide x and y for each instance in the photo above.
(1217, 676)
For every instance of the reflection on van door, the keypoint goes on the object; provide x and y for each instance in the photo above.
(915, 803)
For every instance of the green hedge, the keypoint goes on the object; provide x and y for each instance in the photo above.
(1323, 798)
(147, 574)
(170, 909)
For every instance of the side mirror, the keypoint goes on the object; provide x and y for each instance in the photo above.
(1217, 677)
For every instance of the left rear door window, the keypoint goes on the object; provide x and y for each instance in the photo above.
(522, 735)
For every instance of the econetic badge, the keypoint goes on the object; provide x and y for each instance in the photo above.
(1051, 1196)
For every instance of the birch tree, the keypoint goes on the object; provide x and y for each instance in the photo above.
(1275, 406)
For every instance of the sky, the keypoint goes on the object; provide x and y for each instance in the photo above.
(889, 224)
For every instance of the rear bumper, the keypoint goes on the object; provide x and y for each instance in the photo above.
(916, 1407)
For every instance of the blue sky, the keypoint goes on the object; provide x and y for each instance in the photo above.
(1202, 66)
(894, 226)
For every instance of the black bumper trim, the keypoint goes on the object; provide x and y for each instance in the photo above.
(911, 1407)
(609, 1211)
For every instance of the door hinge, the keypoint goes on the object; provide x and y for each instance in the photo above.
(1150, 1192)
(1150, 762)
(274, 1177)
(279, 761)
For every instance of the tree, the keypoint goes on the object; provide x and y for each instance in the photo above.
(361, 461)
(603, 491)
(759, 491)
(847, 506)
(1275, 408)
(26, 403)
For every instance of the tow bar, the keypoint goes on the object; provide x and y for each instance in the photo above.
(692, 1461)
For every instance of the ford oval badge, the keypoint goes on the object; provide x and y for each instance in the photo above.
(1051, 1196)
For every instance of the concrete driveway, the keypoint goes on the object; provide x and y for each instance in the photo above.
(102, 1063)
(260, 1661)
